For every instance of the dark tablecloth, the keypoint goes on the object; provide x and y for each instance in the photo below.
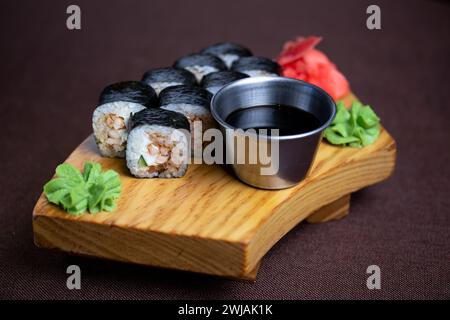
(50, 80)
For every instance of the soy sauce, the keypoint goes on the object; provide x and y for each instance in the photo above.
(288, 120)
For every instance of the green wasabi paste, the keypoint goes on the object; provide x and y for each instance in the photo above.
(356, 127)
(76, 192)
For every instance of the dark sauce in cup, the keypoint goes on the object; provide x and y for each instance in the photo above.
(288, 120)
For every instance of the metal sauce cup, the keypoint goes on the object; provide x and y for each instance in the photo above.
(295, 152)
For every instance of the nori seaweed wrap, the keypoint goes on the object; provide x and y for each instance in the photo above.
(213, 82)
(227, 51)
(159, 117)
(162, 78)
(130, 91)
(182, 94)
(256, 66)
(200, 64)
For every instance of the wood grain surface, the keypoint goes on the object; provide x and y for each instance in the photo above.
(208, 221)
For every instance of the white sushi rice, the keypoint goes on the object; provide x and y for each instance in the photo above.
(259, 73)
(194, 113)
(110, 125)
(160, 86)
(228, 59)
(200, 71)
(165, 152)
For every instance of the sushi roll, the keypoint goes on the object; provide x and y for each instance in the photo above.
(213, 82)
(194, 103)
(158, 144)
(228, 52)
(256, 66)
(162, 78)
(200, 64)
(117, 103)
(110, 125)
(130, 91)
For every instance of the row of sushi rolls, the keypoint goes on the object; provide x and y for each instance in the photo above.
(146, 121)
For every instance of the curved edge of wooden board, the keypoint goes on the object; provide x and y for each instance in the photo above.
(139, 247)
(54, 233)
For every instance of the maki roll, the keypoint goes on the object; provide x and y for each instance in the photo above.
(118, 102)
(228, 52)
(200, 64)
(256, 66)
(129, 91)
(162, 78)
(193, 102)
(213, 82)
(110, 125)
(158, 144)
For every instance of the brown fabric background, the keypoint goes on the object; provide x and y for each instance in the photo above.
(50, 79)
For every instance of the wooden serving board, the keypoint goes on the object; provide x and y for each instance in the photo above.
(208, 221)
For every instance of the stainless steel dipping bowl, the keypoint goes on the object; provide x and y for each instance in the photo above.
(296, 152)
